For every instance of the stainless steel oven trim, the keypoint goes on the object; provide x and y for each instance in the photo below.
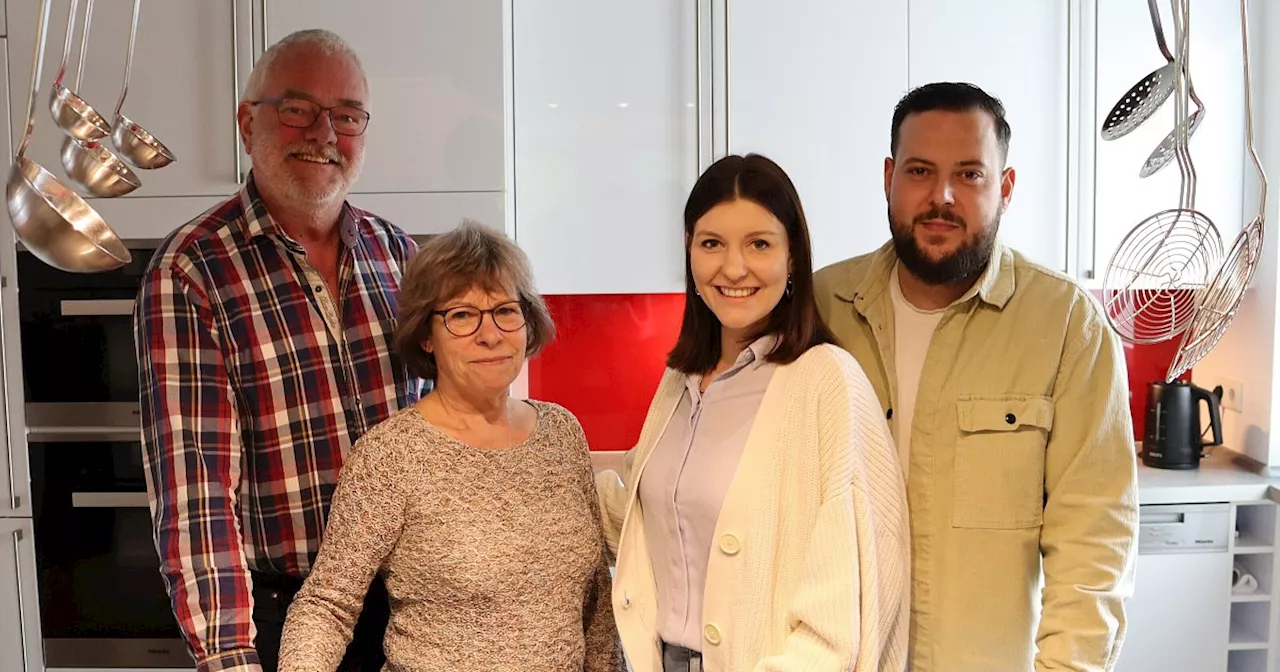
(127, 653)
(46, 434)
(110, 500)
(96, 307)
(80, 422)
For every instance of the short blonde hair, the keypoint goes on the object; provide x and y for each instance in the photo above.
(449, 265)
(326, 41)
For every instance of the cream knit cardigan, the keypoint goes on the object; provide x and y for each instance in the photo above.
(809, 568)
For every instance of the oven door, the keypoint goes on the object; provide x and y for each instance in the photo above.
(78, 347)
(77, 332)
(102, 600)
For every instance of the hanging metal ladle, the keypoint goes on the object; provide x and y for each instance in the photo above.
(133, 142)
(90, 164)
(70, 111)
(50, 219)
(1165, 152)
(1142, 100)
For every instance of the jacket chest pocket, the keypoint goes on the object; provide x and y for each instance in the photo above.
(999, 460)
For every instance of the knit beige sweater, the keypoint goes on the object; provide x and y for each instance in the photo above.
(810, 564)
(494, 559)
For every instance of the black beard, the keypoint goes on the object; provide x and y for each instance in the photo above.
(966, 262)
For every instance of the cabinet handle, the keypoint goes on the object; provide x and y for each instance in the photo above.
(728, 99)
(13, 488)
(17, 573)
(235, 82)
(14, 504)
(697, 105)
(265, 30)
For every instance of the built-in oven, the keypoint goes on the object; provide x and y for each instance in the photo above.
(77, 332)
(103, 602)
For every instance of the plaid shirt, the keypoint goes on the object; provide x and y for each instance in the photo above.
(252, 391)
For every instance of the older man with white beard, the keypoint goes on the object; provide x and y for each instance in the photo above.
(263, 333)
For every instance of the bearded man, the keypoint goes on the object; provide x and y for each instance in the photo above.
(1007, 396)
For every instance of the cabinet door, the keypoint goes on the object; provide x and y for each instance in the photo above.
(606, 141)
(1016, 51)
(181, 89)
(812, 86)
(435, 74)
(15, 482)
(1126, 52)
(1179, 615)
(20, 648)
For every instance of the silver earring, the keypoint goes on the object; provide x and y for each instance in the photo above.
(789, 290)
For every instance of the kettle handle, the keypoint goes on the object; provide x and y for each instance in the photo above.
(1215, 414)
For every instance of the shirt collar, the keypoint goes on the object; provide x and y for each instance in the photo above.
(755, 354)
(258, 222)
(994, 287)
(753, 357)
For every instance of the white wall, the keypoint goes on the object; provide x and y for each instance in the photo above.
(1247, 352)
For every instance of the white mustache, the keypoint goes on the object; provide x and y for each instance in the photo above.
(327, 153)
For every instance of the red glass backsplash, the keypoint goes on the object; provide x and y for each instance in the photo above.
(610, 350)
(606, 361)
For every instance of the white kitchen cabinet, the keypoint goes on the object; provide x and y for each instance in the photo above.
(1016, 51)
(20, 649)
(15, 482)
(1253, 634)
(182, 89)
(1126, 51)
(812, 85)
(434, 146)
(1195, 635)
(607, 140)
(619, 108)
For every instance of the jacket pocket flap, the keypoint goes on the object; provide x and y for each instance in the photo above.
(1004, 413)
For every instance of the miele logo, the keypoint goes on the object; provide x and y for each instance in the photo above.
(159, 652)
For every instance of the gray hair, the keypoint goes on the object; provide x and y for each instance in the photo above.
(326, 41)
(471, 256)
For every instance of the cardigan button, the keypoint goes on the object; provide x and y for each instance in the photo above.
(1010, 418)
(730, 544)
(711, 633)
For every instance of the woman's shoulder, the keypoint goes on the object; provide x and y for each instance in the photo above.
(827, 376)
(400, 431)
(825, 361)
(556, 419)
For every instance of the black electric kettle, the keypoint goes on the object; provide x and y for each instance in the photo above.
(1173, 433)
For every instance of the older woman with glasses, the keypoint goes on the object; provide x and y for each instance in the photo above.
(478, 509)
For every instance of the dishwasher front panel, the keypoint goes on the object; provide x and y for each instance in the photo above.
(1179, 619)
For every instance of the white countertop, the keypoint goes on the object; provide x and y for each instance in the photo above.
(1225, 476)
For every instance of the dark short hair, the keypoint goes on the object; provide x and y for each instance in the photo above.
(950, 97)
(448, 266)
(795, 319)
